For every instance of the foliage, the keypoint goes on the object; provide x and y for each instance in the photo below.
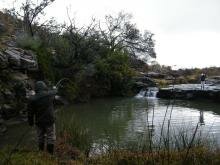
(22, 157)
(29, 12)
(70, 90)
(45, 58)
(96, 58)
(73, 133)
(115, 73)
(28, 42)
(121, 34)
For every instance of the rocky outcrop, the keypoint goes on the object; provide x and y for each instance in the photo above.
(190, 92)
(3, 60)
(18, 59)
(15, 64)
(213, 80)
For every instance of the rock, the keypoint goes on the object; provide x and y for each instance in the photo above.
(155, 75)
(8, 94)
(6, 111)
(3, 61)
(21, 59)
(14, 57)
(190, 93)
(10, 43)
(2, 28)
(214, 80)
(141, 84)
(19, 76)
(145, 80)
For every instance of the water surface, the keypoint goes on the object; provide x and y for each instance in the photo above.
(126, 119)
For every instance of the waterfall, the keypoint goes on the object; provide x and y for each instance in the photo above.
(151, 92)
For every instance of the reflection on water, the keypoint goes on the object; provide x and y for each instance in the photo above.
(125, 119)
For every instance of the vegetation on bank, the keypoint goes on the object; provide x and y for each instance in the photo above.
(98, 59)
(98, 62)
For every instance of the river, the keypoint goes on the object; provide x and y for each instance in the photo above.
(126, 119)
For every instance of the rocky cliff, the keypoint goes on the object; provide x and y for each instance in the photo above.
(16, 68)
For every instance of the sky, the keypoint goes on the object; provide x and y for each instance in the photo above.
(187, 32)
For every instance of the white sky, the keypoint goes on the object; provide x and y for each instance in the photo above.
(187, 32)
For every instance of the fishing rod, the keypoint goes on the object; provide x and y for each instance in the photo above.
(7, 160)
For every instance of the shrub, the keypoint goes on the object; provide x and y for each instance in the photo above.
(28, 42)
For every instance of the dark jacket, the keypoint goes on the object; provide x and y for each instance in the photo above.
(41, 109)
(203, 77)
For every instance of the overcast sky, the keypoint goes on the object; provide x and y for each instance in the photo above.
(187, 32)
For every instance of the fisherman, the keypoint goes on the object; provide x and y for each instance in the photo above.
(41, 113)
(202, 79)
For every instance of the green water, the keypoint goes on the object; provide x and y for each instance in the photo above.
(126, 119)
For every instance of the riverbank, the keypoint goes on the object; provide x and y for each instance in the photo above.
(196, 156)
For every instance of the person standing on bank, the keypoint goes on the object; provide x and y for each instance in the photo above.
(202, 79)
(41, 113)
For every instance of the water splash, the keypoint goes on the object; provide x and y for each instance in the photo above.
(149, 93)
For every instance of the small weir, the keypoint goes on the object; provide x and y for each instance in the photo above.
(149, 93)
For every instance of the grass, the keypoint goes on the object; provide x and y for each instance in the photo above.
(71, 133)
(26, 157)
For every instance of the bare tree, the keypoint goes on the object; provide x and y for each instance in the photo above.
(81, 38)
(29, 12)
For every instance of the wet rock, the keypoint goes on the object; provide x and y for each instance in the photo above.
(210, 93)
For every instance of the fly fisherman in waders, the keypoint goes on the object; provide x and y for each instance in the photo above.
(41, 113)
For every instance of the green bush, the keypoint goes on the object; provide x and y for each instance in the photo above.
(71, 91)
(45, 60)
(115, 71)
(28, 42)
